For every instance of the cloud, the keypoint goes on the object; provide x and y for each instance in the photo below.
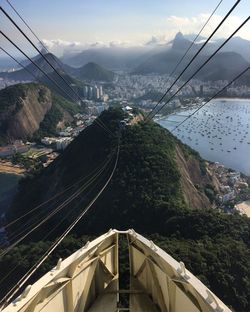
(189, 25)
(173, 24)
(60, 47)
(157, 41)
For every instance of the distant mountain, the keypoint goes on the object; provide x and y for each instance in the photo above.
(238, 45)
(191, 37)
(26, 109)
(112, 58)
(23, 75)
(180, 43)
(65, 71)
(223, 66)
(93, 72)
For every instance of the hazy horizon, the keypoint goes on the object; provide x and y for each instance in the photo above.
(73, 26)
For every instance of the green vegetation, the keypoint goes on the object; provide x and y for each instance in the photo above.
(93, 71)
(48, 126)
(68, 106)
(12, 94)
(32, 165)
(49, 123)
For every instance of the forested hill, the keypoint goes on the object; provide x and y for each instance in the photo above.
(154, 191)
(155, 174)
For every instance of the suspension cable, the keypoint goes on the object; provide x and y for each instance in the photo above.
(52, 198)
(59, 208)
(23, 280)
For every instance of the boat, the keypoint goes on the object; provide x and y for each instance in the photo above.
(90, 279)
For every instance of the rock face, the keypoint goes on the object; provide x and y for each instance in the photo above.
(190, 177)
(22, 108)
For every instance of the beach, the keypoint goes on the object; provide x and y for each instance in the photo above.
(244, 208)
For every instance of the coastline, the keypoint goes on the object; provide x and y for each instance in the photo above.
(9, 168)
(244, 208)
(232, 98)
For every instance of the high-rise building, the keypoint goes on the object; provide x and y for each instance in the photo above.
(90, 93)
(96, 93)
(101, 91)
(85, 92)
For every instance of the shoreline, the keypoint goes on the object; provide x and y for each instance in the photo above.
(8, 168)
(232, 98)
(244, 208)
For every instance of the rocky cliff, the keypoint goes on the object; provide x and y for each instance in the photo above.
(22, 109)
(30, 109)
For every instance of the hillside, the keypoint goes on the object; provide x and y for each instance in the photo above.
(26, 108)
(93, 72)
(155, 173)
(154, 190)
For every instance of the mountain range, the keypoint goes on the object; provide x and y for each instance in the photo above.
(223, 66)
(96, 64)
(130, 59)
(88, 72)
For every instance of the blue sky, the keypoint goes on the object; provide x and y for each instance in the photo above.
(134, 22)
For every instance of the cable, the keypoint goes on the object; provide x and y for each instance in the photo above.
(214, 96)
(44, 237)
(211, 56)
(62, 205)
(50, 199)
(23, 280)
(59, 208)
(193, 58)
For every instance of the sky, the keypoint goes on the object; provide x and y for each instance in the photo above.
(77, 24)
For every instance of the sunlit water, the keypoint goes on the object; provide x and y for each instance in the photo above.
(220, 132)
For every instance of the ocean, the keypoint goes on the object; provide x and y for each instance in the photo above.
(220, 132)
